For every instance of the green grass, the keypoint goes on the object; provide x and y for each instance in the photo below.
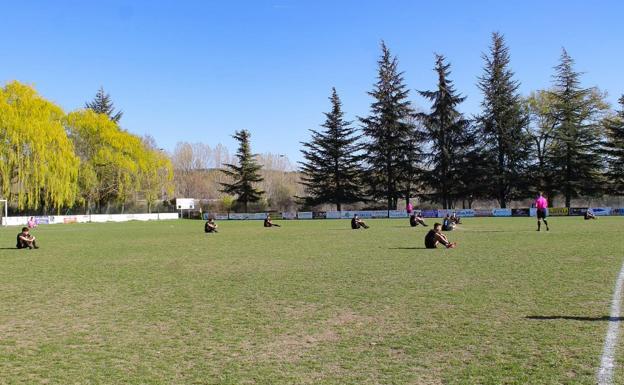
(312, 302)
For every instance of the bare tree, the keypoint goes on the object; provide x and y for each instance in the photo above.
(196, 173)
(281, 181)
(191, 161)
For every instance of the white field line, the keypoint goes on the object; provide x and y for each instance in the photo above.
(607, 362)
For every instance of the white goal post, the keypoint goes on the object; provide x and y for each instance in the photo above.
(4, 213)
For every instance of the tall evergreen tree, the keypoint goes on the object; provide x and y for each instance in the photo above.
(412, 159)
(450, 140)
(389, 131)
(102, 104)
(577, 138)
(473, 175)
(614, 151)
(245, 174)
(331, 170)
(541, 132)
(502, 127)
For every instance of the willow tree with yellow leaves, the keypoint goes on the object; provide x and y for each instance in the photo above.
(115, 164)
(38, 166)
(156, 173)
(108, 171)
(156, 177)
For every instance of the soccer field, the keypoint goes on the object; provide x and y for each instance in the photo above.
(312, 302)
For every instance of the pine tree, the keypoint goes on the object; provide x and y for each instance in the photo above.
(502, 127)
(331, 170)
(102, 104)
(412, 159)
(614, 151)
(541, 133)
(450, 140)
(389, 131)
(245, 174)
(473, 173)
(575, 157)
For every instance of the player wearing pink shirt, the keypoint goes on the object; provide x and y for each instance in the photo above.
(541, 204)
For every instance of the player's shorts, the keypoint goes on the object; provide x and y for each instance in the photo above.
(431, 244)
(541, 214)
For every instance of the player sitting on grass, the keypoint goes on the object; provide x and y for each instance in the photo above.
(357, 223)
(210, 226)
(269, 223)
(448, 224)
(455, 218)
(435, 236)
(541, 204)
(589, 215)
(26, 240)
(417, 219)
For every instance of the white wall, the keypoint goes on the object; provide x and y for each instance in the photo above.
(55, 219)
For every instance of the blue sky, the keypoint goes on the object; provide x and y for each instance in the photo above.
(198, 70)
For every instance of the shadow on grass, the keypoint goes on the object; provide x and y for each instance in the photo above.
(408, 248)
(573, 318)
(9, 248)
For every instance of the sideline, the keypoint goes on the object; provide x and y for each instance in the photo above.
(607, 361)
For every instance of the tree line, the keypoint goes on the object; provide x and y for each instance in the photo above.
(564, 141)
(51, 161)
(198, 173)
